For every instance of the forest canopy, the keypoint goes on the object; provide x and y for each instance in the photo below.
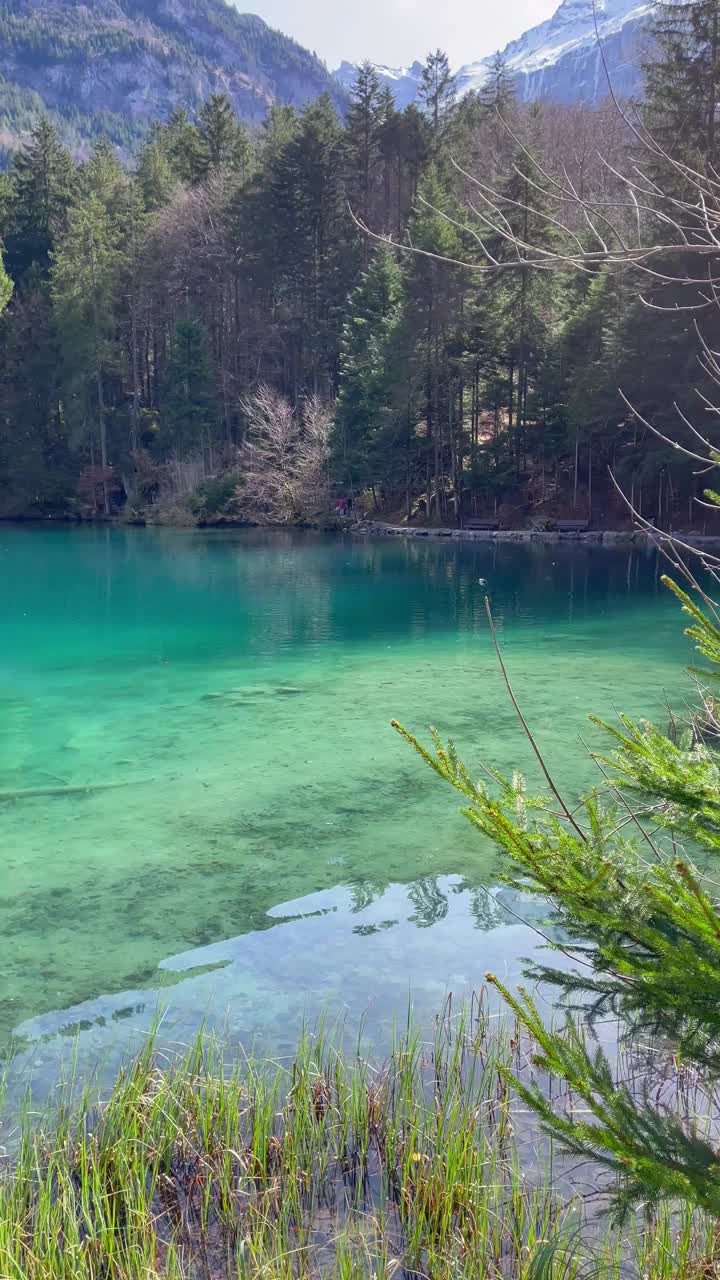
(156, 312)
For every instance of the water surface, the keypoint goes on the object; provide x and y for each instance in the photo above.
(275, 848)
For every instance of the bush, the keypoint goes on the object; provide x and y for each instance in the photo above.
(218, 496)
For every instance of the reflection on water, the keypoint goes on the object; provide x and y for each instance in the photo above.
(357, 957)
(236, 691)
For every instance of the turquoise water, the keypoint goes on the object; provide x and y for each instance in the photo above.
(274, 848)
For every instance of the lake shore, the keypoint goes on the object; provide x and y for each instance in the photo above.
(590, 537)
(379, 528)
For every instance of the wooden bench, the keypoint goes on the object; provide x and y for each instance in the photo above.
(572, 526)
(487, 525)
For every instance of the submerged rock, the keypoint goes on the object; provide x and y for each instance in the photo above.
(237, 696)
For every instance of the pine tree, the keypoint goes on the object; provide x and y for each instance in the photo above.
(362, 145)
(643, 924)
(189, 411)
(41, 188)
(278, 128)
(223, 141)
(526, 299)
(155, 175)
(134, 225)
(38, 471)
(437, 89)
(104, 177)
(683, 83)
(498, 93)
(414, 151)
(434, 287)
(389, 146)
(83, 291)
(363, 400)
(183, 146)
(304, 229)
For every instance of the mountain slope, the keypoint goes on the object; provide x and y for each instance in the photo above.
(559, 59)
(118, 64)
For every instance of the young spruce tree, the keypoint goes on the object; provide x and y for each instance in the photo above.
(643, 923)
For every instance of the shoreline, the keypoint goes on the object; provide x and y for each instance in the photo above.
(379, 528)
(590, 537)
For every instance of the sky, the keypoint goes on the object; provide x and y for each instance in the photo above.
(396, 32)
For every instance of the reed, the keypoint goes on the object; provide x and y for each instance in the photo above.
(331, 1166)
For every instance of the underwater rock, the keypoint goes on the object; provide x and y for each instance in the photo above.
(236, 697)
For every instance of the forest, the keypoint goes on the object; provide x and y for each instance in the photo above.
(248, 324)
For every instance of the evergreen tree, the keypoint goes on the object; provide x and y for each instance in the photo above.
(135, 222)
(683, 84)
(38, 471)
(155, 175)
(278, 128)
(643, 924)
(189, 414)
(183, 146)
(414, 150)
(437, 89)
(104, 177)
(305, 220)
(83, 291)
(363, 145)
(526, 299)
(389, 127)
(41, 188)
(363, 401)
(223, 141)
(434, 288)
(498, 92)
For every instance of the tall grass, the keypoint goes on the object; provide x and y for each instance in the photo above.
(332, 1166)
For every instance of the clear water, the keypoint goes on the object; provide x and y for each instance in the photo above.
(274, 848)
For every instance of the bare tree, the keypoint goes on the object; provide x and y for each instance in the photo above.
(313, 454)
(284, 457)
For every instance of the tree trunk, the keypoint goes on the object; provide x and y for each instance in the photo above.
(98, 378)
(135, 369)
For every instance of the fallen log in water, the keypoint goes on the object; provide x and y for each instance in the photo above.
(31, 793)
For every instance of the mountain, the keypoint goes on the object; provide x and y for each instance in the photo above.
(558, 60)
(403, 81)
(116, 65)
(113, 66)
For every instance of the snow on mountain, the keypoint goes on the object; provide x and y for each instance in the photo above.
(559, 59)
(403, 81)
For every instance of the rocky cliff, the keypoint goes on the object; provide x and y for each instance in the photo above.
(119, 64)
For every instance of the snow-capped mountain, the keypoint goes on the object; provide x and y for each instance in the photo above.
(560, 59)
(403, 81)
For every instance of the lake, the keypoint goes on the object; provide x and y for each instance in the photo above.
(274, 849)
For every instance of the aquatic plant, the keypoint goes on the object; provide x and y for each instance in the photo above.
(327, 1166)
